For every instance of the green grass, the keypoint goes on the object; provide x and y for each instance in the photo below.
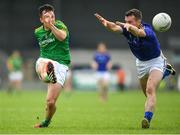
(82, 112)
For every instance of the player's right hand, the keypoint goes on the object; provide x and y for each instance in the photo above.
(101, 19)
(47, 22)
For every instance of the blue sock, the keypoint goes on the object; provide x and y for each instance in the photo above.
(166, 73)
(148, 115)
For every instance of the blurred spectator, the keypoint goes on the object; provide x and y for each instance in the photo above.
(14, 64)
(121, 78)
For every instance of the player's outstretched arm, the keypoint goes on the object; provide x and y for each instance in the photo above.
(139, 32)
(109, 25)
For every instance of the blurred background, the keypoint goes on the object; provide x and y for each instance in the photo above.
(19, 18)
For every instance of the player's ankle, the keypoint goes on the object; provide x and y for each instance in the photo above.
(148, 115)
(45, 123)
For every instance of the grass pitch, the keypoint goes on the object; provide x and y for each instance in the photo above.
(81, 112)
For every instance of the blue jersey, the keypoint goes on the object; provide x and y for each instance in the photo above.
(144, 48)
(102, 60)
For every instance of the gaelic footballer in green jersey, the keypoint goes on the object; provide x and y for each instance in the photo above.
(52, 66)
(51, 47)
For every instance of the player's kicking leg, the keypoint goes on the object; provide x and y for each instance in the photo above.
(45, 71)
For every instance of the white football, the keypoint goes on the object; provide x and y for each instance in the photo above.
(161, 22)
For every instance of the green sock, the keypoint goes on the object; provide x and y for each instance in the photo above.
(45, 123)
(47, 79)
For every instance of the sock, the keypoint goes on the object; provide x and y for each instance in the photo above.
(166, 73)
(45, 123)
(47, 79)
(148, 115)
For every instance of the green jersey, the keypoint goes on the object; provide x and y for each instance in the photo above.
(15, 62)
(51, 47)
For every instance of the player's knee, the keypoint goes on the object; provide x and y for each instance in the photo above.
(51, 102)
(150, 90)
(104, 83)
(41, 71)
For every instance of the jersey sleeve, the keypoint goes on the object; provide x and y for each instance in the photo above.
(149, 32)
(37, 31)
(60, 25)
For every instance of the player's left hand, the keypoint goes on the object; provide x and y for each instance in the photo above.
(127, 26)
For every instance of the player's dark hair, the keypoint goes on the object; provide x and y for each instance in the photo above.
(134, 12)
(45, 7)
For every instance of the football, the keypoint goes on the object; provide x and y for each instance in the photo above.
(161, 22)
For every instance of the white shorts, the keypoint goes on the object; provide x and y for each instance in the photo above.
(15, 76)
(103, 76)
(59, 69)
(145, 67)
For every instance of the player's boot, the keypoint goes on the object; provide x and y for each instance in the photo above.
(145, 123)
(169, 70)
(43, 124)
(172, 70)
(51, 72)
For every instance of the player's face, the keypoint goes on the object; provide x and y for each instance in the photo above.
(101, 48)
(132, 20)
(47, 16)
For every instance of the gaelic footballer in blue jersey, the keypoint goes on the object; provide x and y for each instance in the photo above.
(150, 62)
(102, 65)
